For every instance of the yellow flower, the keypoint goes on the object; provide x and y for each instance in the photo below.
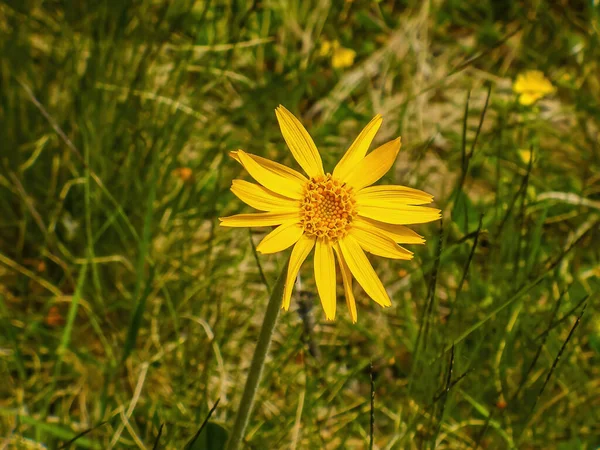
(334, 213)
(525, 155)
(341, 57)
(326, 47)
(183, 173)
(531, 86)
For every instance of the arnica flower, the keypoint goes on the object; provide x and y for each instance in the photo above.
(532, 86)
(335, 213)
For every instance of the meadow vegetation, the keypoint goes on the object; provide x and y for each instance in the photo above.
(127, 312)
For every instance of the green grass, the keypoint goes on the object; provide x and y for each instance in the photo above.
(485, 344)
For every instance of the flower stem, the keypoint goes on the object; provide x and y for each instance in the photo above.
(258, 363)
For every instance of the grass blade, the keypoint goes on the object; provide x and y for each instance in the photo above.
(206, 419)
(372, 410)
(80, 435)
(445, 396)
(520, 293)
(157, 440)
(136, 318)
(466, 269)
(66, 336)
(557, 359)
(6, 325)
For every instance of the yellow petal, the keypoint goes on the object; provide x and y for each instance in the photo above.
(374, 165)
(299, 253)
(402, 195)
(400, 215)
(265, 219)
(261, 198)
(398, 233)
(363, 271)
(533, 82)
(325, 48)
(529, 98)
(274, 176)
(378, 243)
(300, 143)
(358, 149)
(282, 237)
(342, 58)
(325, 277)
(525, 155)
(520, 84)
(347, 279)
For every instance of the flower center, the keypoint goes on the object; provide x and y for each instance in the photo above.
(327, 208)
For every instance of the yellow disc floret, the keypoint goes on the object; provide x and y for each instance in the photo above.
(327, 208)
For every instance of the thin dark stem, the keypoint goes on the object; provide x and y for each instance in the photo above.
(190, 444)
(372, 425)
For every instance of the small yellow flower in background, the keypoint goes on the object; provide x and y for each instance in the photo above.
(566, 77)
(54, 318)
(326, 47)
(532, 86)
(334, 213)
(525, 155)
(183, 173)
(341, 57)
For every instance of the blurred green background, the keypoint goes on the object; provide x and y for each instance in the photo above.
(124, 306)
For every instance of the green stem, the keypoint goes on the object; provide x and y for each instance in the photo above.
(258, 363)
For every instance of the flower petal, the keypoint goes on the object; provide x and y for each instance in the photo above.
(520, 84)
(325, 277)
(374, 165)
(282, 237)
(363, 271)
(347, 279)
(299, 253)
(261, 198)
(529, 98)
(359, 148)
(398, 233)
(272, 175)
(300, 143)
(378, 243)
(400, 215)
(376, 195)
(533, 81)
(265, 219)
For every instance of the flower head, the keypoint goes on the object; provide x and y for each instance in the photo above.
(341, 57)
(532, 86)
(326, 47)
(183, 173)
(525, 155)
(335, 213)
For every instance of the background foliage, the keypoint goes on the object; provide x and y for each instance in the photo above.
(124, 306)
